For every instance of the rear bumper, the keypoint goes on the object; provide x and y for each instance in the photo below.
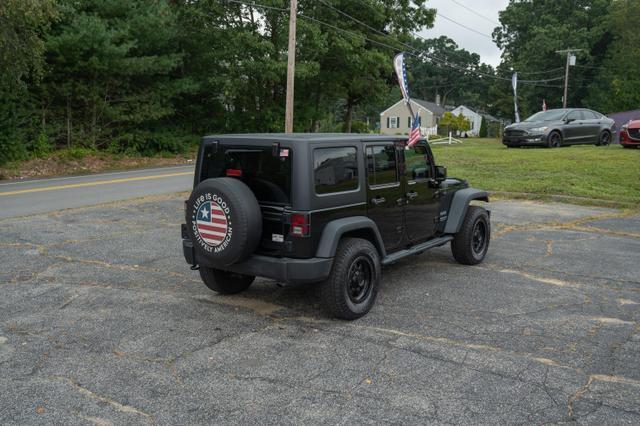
(282, 269)
(524, 140)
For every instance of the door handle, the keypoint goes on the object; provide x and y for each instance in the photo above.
(411, 195)
(378, 200)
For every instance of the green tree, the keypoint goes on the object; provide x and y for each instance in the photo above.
(530, 34)
(22, 23)
(462, 123)
(483, 128)
(452, 74)
(617, 80)
(114, 74)
(455, 123)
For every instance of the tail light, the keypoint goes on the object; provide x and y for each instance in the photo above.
(300, 225)
(234, 172)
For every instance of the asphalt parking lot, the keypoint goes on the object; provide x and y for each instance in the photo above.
(102, 322)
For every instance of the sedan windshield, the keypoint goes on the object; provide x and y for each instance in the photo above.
(554, 114)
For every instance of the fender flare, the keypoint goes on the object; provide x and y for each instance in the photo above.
(459, 206)
(335, 229)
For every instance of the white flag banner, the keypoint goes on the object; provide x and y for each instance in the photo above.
(514, 83)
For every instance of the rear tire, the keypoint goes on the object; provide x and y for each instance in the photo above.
(225, 282)
(352, 287)
(471, 243)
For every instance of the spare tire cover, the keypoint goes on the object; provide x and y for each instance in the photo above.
(224, 221)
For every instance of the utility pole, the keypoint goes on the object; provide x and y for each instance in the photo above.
(291, 67)
(570, 58)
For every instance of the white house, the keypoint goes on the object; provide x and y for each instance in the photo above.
(397, 120)
(474, 118)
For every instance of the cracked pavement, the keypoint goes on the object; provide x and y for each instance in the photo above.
(102, 322)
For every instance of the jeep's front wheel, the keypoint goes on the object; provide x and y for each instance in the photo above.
(471, 243)
(351, 289)
(225, 282)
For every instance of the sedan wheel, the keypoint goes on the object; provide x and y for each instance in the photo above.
(555, 140)
(604, 139)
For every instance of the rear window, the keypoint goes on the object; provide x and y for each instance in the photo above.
(268, 176)
(335, 169)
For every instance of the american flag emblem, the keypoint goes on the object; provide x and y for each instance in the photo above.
(211, 223)
(414, 134)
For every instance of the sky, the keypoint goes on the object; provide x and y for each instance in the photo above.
(469, 40)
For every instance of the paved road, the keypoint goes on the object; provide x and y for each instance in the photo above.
(47, 195)
(102, 322)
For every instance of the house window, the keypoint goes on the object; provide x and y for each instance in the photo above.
(393, 122)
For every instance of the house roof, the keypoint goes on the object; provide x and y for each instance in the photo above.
(465, 107)
(436, 109)
(431, 106)
(490, 117)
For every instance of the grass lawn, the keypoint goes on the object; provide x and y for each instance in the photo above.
(594, 175)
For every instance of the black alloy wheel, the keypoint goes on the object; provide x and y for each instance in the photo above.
(479, 239)
(471, 243)
(555, 140)
(360, 283)
(351, 288)
(605, 138)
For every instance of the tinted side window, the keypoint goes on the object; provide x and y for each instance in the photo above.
(335, 169)
(575, 115)
(416, 163)
(590, 115)
(381, 165)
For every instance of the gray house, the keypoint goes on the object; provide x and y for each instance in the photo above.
(397, 120)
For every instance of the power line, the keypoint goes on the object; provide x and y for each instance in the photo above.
(540, 72)
(475, 12)
(413, 51)
(427, 54)
(464, 26)
(430, 55)
(592, 67)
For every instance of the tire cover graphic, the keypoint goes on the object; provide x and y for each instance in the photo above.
(211, 222)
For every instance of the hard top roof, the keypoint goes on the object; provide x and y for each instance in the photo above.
(306, 137)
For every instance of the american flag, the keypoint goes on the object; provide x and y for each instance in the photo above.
(414, 134)
(212, 223)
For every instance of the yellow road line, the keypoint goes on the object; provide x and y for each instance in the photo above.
(96, 183)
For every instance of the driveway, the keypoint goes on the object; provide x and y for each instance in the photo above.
(102, 322)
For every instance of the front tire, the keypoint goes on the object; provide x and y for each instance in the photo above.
(471, 243)
(352, 287)
(554, 140)
(225, 282)
(604, 139)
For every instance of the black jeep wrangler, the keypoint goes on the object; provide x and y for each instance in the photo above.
(325, 208)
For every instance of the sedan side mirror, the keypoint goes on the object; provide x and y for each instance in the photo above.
(569, 120)
(441, 173)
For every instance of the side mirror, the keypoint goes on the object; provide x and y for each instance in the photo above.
(569, 120)
(441, 173)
